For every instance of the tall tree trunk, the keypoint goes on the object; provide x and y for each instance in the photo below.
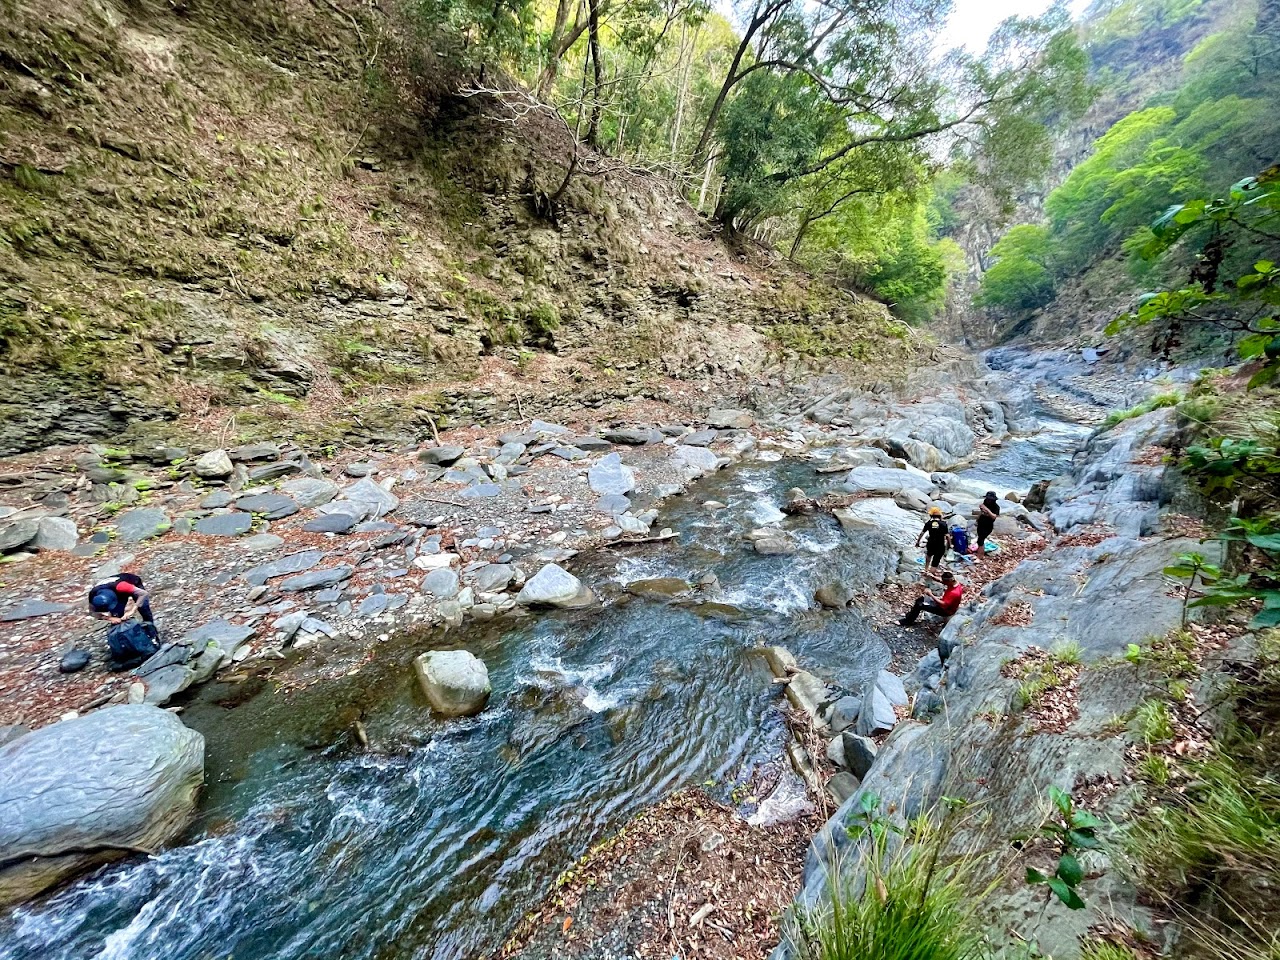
(800, 235)
(682, 91)
(562, 39)
(593, 42)
(706, 183)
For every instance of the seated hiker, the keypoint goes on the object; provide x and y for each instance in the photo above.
(935, 536)
(943, 606)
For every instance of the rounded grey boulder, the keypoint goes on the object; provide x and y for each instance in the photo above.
(83, 792)
(456, 682)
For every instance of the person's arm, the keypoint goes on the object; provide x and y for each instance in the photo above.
(986, 510)
(134, 597)
(923, 531)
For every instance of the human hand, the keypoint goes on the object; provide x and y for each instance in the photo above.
(115, 619)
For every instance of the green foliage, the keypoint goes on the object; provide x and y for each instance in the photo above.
(1073, 831)
(1022, 276)
(1153, 722)
(1158, 402)
(1192, 567)
(907, 903)
(1225, 821)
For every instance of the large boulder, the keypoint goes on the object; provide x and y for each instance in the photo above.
(86, 791)
(886, 481)
(554, 586)
(456, 683)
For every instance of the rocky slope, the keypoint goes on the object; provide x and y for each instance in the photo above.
(238, 215)
(978, 736)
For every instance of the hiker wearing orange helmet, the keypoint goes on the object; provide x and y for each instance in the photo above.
(935, 537)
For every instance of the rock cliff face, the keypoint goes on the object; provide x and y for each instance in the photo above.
(1091, 594)
(216, 209)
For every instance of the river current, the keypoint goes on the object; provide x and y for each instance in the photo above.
(432, 842)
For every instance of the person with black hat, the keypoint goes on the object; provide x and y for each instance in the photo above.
(988, 510)
(110, 600)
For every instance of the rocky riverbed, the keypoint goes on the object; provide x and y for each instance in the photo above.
(308, 582)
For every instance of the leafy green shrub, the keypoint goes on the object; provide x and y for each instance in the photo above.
(1073, 831)
(1158, 402)
(907, 905)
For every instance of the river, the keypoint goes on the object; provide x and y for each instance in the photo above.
(436, 839)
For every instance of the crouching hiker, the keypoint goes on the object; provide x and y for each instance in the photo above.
(123, 601)
(944, 606)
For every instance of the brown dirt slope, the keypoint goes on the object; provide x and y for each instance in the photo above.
(211, 205)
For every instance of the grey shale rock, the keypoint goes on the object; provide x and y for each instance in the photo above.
(18, 533)
(699, 438)
(376, 501)
(442, 456)
(56, 533)
(493, 577)
(225, 524)
(29, 609)
(214, 465)
(554, 586)
(636, 437)
(859, 754)
(331, 523)
(609, 476)
(134, 526)
(294, 563)
(876, 715)
(456, 682)
(315, 579)
(442, 583)
(730, 419)
(87, 791)
(310, 491)
(255, 451)
(272, 506)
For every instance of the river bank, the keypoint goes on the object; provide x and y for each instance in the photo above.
(687, 702)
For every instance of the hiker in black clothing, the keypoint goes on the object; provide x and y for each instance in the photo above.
(936, 537)
(988, 510)
(110, 600)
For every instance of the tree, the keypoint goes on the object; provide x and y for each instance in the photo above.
(1021, 278)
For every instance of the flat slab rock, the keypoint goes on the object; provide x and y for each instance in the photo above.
(134, 526)
(294, 563)
(225, 524)
(273, 506)
(315, 579)
(29, 609)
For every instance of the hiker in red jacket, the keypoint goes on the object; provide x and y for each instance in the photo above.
(943, 606)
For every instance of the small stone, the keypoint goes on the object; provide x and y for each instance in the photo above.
(134, 526)
(479, 491)
(274, 471)
(611, 477)
(315, 579)
(218, 499)
(835, 596)
(214, 465)
(74, 661)
(632, 437)
(493, 577)
(330, 523)
(376, 501)
(255, 451)
(859, 754)
(554, 586)
(310, 491)
(876, 715)
(613, 503)
(358, 469)
(699, 438)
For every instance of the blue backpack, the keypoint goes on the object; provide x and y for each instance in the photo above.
(960, 539)
(132, 640)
